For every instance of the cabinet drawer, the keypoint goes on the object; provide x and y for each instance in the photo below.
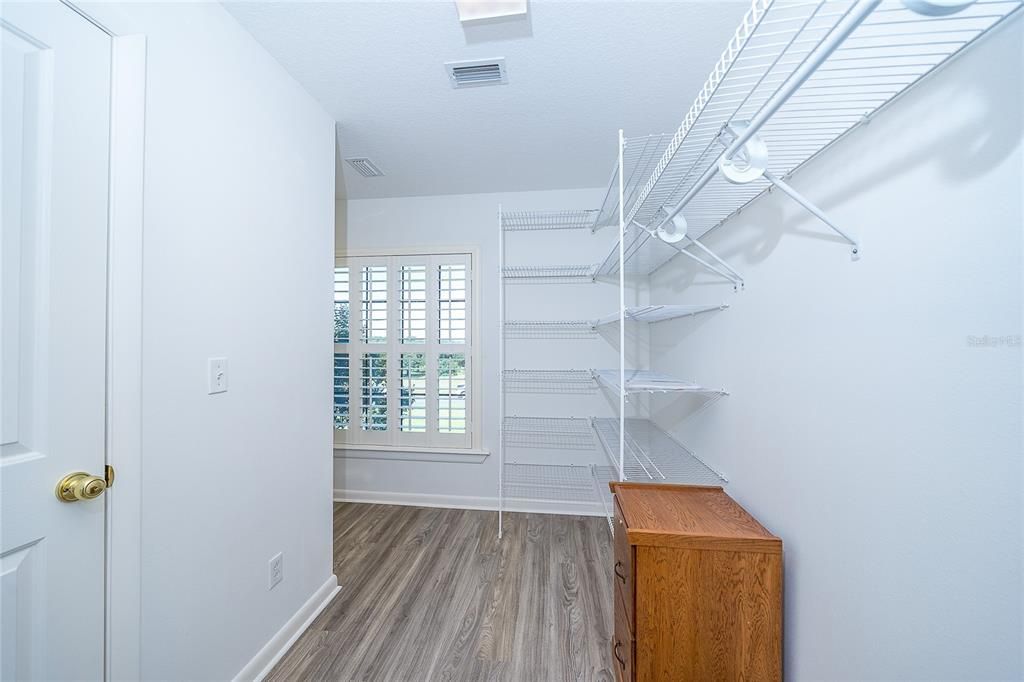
(624, 568)
(623, 644)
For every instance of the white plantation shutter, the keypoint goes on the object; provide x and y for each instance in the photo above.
(342, 358)
(404, 351)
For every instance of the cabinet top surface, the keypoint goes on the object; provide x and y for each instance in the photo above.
(687, 511)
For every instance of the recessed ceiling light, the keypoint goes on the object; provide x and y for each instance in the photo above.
(471, 10)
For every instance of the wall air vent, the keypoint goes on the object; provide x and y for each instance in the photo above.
(365, 167)
(477, 72)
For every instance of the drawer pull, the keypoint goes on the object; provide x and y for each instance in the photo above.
(620, 576)
(615, 652)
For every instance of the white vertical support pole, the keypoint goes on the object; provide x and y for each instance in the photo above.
(501, 371)
(622, 318)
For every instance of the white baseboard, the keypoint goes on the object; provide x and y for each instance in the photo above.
(467, 502)
(261, 664)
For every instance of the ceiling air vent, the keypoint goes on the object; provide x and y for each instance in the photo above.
(471, 74)
(365, 167)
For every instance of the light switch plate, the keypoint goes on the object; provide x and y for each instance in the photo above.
(276, 570)
(218, 375)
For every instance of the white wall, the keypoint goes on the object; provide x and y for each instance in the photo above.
(863, 427)
(471, 221)
(239, 200)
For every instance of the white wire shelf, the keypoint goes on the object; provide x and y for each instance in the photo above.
(890, 51)
(645, 381)
(549, 273)
(651, 455)
(659, 313)
(527, 221)
(555, 433)
(641, 253)
(549, 381)
(640, 155)
(548, 482)
(584, 328)
(549, 329)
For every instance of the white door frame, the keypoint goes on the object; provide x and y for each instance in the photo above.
(124, 353)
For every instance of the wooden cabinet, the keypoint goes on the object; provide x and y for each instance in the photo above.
(698, 587)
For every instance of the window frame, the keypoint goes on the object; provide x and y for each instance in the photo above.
(393, 439)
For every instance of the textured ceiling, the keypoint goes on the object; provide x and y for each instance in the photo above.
(578, 71)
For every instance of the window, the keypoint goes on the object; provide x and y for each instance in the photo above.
(403, 351)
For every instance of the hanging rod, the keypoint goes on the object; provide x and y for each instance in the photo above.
(857, 14)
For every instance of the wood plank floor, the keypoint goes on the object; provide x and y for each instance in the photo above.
(431, 594)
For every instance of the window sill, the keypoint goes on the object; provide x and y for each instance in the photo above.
(410, 453)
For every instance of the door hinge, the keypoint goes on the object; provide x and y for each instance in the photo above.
(108, 475)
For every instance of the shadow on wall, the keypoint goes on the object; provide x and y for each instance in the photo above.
(678, 408)
(637, 342)
(967, 149)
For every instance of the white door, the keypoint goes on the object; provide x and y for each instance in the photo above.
(53, 267)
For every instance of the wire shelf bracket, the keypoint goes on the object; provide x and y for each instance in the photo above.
(788, 190)
(726, 271)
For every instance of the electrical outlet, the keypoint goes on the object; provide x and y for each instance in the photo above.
(276, 570)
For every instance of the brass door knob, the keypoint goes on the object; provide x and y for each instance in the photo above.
(80, 486)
